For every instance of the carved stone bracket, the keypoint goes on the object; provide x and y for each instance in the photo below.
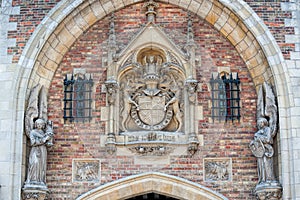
(193, 143)
(34, 194)
(110, 143)
(191, 85)
(268, 191)
(151, 149)
(111, 87)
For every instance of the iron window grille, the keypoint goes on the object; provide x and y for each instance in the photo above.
(78, 98)
(225, 93)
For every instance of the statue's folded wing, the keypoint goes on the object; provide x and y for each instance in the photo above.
(32, 111)
(270, 108)
(36, 108)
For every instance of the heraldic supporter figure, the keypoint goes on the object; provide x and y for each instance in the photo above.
(39, 130)
(262, 145)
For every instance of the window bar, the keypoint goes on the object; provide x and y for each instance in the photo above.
(212, 83)
(68, 97)
(238, 96)
(90, 97)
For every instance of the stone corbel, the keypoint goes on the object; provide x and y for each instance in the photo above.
(33, 194)
(111, 88)
(193, 143)
(191, 85)
(110, 143)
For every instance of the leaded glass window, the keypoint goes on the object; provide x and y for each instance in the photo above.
(225, 94)
(78, 98)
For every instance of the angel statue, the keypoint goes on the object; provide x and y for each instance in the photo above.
(261, 145)
(40, 132)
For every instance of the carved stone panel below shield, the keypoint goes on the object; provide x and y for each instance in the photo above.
(217, 169)
(85, 170)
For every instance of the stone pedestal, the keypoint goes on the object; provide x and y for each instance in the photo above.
(35, 192)
(268, 191)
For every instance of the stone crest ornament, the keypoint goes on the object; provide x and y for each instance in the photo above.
(40, 132)
(262, 144)
(151, 98)
(151, 94)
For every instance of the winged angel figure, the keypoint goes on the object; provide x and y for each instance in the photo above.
(261, 145)
(40, 132)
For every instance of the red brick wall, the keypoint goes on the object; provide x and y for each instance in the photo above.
(33, 12)
(273, 17)
(78, 140)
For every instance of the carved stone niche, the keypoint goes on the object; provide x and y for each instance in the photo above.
(155, 97)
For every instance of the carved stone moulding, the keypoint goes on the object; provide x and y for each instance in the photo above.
(86, 170)
(151, 149)
(268, 191)
(35, 193)
(154, 143)
(217, 169)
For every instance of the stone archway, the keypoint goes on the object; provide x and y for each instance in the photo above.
(152, 182)
(235, 20)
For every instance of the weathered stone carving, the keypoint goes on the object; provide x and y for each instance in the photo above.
(86, 170)
(150, 5)
(110, 143)
(151, 90)
(111, 87)
(217, 169)
(151, 149)
(151, 98)
(191, 86)
(261, 145)
(40, 132)
(35, 195)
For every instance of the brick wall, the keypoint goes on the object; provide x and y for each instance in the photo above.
(82, 140)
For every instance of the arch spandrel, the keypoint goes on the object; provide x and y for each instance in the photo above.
(152, 182)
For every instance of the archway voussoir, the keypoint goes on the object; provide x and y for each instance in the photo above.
(205, 9)
(50, 65)
(118, 4)
(249, 53)
(81, 23)
(65, 38)
(108, 7)
(226, 29)
(88, 15)
(194, 6)
(236, 36)
(222, 20)
(138, 188)
(214, 14)
(98, 9)
(184, 4)
(73, 28)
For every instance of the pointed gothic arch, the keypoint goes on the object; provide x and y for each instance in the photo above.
(152, 182)
(236, 21)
